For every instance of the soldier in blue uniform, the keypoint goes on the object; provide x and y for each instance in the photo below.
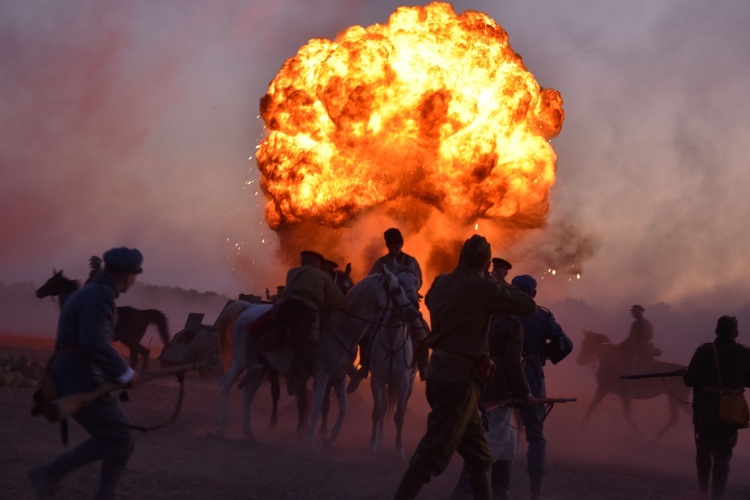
(84, 359)
(543, 339)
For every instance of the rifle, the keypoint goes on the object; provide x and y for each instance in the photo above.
(493, 405)
(675, 373)
(62, 407)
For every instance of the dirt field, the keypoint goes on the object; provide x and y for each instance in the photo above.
(185, 460)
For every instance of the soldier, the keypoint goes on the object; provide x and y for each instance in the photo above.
(543, 339)
(394, 241)
(84, 359)
(500, 268)
(721, 365)
(308, 290)
(638, 348)
(509, 381)
(461, 305)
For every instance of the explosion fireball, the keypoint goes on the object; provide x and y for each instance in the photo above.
(428, 119)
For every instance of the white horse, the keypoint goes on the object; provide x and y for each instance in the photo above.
(332, 355)
(392, 366)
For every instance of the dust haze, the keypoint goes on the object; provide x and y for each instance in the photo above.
(136, 124)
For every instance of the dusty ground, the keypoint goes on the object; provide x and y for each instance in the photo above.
(185, 460)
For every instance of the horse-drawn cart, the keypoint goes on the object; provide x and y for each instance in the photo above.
(196, 342)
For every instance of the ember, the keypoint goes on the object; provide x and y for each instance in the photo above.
(430, 121)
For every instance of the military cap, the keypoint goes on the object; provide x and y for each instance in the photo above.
(524, 282)
(393, 237)
(638, 308)
(123, 260)
(498, 262)
(330, 264)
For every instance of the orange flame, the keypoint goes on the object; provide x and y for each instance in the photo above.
(432, 109)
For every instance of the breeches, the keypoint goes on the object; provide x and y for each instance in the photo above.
(453, 425)
(533, 422)
(111, 440)
(715, 442)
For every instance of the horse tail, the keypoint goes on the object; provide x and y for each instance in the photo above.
(225, 328)
(161, 324)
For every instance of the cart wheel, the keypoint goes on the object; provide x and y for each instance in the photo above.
(214, 368)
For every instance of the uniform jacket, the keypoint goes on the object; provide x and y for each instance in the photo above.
(506, 345)
(734, 360)
(640, 336)
(405, 260)
(461, 305)
(84, 356)
(540, 331)
(313, 287)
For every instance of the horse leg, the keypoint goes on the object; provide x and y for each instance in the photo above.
(378, 411)
(319, 386)
(340, 388)
(598, 396)
(325, 408)
(673, 417)
(225, 385)
(628, 416)
(303, 408)
(273, 377)
(144, 354)
(398, 417)
(250, 389)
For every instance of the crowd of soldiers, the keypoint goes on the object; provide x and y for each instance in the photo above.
(488, 345)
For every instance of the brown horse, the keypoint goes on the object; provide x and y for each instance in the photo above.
(598, 350)
(132, 323)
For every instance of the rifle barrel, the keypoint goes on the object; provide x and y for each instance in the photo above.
(675, 373)
(515, 401)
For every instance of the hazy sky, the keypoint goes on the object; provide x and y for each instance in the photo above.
(133, 123)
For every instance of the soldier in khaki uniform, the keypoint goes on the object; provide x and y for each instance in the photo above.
(308, 291)
(714, 438)
(461, 305)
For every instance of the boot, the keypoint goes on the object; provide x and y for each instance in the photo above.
(410, 486)
(704, 473)
(500, 479)
(720, 475)
(480, 483)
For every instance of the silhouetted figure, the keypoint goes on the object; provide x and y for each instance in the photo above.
(309, 289)
(394, 241)
(543, 339)
(84, 359)
(461, 305)
(719, 366)
(638, 347)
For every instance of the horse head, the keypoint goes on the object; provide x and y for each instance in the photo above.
(591, 347)
(58, 284)
(343, 279)
(406, 308)
(409, 281)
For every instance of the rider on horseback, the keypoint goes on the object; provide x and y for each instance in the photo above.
(308, 290)
(638, 347)
(394, 241)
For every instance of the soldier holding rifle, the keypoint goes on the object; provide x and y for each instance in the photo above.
(543, 339)
(84, 360)
(718, 366)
